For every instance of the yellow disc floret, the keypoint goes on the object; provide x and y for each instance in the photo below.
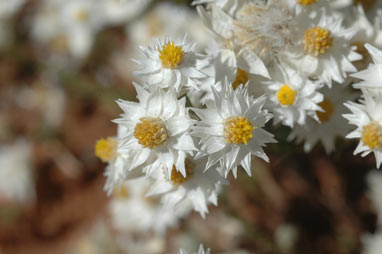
(238, 130)
(171, 56)
(317, 41)
(286, 95)
(81, 15)
(372, 135)
(306, 2)
(177, 178)
(150, 132)
(328, 108)
(106, 149)
(122, 192)
(241, 78)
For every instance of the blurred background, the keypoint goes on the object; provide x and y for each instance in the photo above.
(63, 63)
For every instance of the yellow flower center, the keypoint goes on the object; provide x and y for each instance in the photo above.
(306, 2)
(317, 41)
(372, 135)
(238, 130)
(106, 149)
(177, 178)
(286, 95)
(367, 4)
(171, 56)
(150, 132)
(122, 192)
(81, 15)
(328, 108)
(241, 78)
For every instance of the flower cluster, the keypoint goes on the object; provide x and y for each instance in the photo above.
(200, 116)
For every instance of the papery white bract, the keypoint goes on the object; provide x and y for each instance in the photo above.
(367, 116)
(372, 76)
(171, 64)
(157, 127)
(199, 187)
(200, 251)
(329, 123)
(231, 129)
(132, 211)
(291, 97)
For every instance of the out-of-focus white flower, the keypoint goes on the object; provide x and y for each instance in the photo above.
(68, 26)
(132, 211)
(122, 11)
(168, 19)
(199, 187)
(48, 99)
(367, 116)
(231, 129)
(292, 97)
(16, 176)
(200, 251)
(322, 49)
(8, 8)
(374, 180)
(157, 127)
(372, 244)
(331, 124)
(372, 76)
(171, 65)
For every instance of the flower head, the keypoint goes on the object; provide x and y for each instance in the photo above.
(231, 129)
(367, 116)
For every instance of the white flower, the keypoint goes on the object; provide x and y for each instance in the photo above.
(371, 77)
(8, 8)
(291, 97)
(121, 11)
(16, 176)
(68, 26)
(131, 210)
(171, 65)
(197, 187)
(200, 251)
(231, 129)
(331, 124)
(231, 51)
(372, 244)
(367, 116)
(157, 126)
(328, 60)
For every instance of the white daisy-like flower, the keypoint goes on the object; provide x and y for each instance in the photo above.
(199, 187)
(367, 116)
(157, 126)
(291, 97)
(81, 14)
(171, 64)
(331, 124)
(231, 129)
(371, 77)
(131, 210)
(321, 49)
(200, 251)
(16, 175)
